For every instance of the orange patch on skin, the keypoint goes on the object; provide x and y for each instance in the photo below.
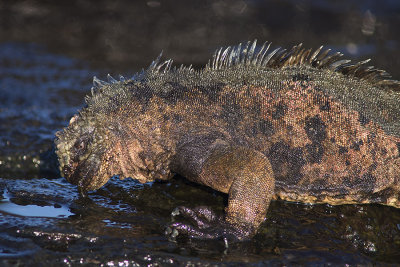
(343, 131)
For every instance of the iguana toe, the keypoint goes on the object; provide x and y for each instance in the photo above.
(202, 223)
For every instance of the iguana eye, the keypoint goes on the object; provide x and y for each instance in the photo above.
(81, 146)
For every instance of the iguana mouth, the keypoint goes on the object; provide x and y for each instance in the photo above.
(82, 174)
(86, 175)
(69, 172)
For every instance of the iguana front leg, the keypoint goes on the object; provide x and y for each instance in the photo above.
(245, 174)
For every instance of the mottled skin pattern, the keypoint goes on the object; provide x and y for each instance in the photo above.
(295, 125)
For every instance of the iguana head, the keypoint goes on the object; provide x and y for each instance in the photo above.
(83, 152)
(106, 139)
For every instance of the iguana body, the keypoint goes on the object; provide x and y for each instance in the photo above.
(297, 125)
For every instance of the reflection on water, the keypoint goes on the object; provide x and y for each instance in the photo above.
(56, 211)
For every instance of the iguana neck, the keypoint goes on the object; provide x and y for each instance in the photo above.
(143, 151)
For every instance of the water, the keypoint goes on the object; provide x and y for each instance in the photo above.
(55, 211)
(48, 54)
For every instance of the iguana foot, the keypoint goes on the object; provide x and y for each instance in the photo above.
(245, 174)
(205, 224)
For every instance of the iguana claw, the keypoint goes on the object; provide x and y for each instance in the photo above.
(205, 224)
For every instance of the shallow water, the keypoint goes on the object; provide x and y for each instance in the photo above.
(48, 55)
(55, 211)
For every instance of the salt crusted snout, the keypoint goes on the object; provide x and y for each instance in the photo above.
(82, 152)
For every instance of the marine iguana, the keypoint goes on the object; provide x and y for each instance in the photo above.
(297, 125)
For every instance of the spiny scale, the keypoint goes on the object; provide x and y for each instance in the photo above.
(248, 56)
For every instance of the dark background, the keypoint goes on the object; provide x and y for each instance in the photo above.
(123, 36)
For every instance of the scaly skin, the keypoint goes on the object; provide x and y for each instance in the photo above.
(297, 125)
